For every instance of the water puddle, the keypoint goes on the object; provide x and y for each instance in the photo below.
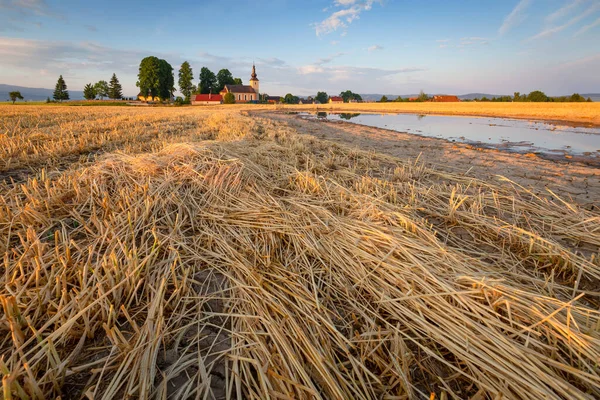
(523, 136)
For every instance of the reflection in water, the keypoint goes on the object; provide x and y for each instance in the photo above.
(421, 116)
(515, 135)
(349, 116)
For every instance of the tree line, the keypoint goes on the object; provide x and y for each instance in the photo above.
(536, 96)
(155, 79)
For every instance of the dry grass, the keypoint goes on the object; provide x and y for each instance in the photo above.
(584, 113)
(264, 264)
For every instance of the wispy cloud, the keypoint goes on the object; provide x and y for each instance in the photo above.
(580, 62)
(564, 10)
(351, 10)
(516, 17)
(334, 42)
(91, 28)
(443, 40)
(375, 48)
(587, 27)
(551, 31)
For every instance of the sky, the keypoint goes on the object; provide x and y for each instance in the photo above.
(305, 46)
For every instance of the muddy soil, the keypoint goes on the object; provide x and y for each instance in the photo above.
(572, 179)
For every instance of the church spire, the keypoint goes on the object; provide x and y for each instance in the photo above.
(253, 76)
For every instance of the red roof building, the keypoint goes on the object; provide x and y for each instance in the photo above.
(336, 99)
(206, 99)
(445, 98)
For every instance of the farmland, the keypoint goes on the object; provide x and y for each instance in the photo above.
(192, 252)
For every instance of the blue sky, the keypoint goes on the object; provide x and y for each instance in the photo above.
(302, 46)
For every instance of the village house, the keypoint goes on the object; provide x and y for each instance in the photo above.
(243, 93)
(445, 98)
(336, 99)
(199, 99)
(273, 99)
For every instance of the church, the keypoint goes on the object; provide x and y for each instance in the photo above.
(244, 92)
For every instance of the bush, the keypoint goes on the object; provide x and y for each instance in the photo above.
(229, 98)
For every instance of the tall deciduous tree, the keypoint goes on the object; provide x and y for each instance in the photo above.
(149, 77)
(237, 81)
(14, 96)
(208, 81)
(60, 90)
(115, 90)
(186, 75)
(101, 88)
(166, 85)
(89, 93)
(224, 77)
(322, 97)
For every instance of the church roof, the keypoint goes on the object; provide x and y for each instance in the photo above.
(239, 89)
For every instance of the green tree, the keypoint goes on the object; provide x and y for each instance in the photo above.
(237, 81)
(208, 81)
(89, 93)
(589, 100)
(348, 95)
(186, 75)
(383, 99)
(517, 96)
(537, 96)
(101, 88)
(291, 99)
(166, 80)
(229, 98)
(322, 97)
(60, 90)
(115, 90)
(576, 97)
(423, 96)
(149, 77)
(14, 96)
(224, 77)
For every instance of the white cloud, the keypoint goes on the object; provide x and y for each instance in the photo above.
(587, 27)
(443, 40)
(550, 31)
(342, 18)
(375, 48)
(334, 42)
(564, 10)
(516, 17)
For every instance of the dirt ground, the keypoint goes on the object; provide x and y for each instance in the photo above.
(572, 181)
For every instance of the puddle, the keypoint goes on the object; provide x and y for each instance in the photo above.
(520, 136)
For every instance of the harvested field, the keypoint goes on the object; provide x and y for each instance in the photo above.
(209, 254)
(587, 114)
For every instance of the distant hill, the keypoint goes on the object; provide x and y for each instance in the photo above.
(593, 96)
(34, 94)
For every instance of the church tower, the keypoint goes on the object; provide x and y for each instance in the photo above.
(254, 82)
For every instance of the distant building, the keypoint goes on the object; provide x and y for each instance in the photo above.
(243, 93)
(336, 99)
(306, 101)
(273, 99)
(199, 99)
(445, 98)
(413, 98)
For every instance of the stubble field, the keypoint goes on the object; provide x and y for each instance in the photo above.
(209, 253)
